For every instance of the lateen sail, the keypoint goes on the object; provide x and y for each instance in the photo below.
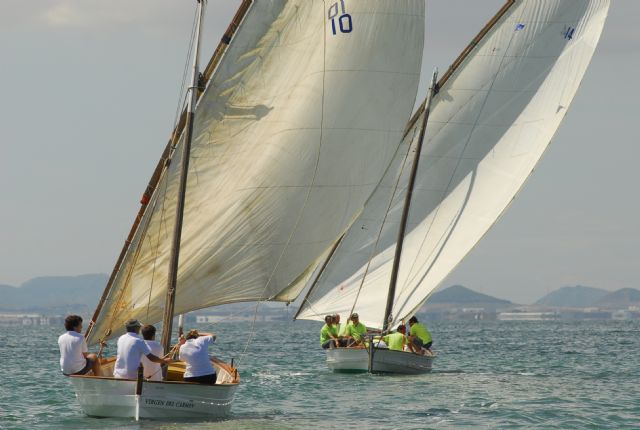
(488, 127)
(291, 136)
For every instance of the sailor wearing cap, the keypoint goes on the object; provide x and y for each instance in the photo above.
(131, 348)
(356, 331)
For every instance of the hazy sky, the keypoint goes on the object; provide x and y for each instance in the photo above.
(88, 95)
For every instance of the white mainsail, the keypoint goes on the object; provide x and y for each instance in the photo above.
(291, 136)
(489, 125)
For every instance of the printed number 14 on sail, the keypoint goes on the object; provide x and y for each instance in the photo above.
(344, 20)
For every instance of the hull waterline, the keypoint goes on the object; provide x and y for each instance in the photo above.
(384, 361)
(110, 397)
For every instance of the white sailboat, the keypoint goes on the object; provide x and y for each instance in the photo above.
(496, 111)
(262, 173)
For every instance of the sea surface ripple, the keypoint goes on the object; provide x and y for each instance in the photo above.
(488, 374)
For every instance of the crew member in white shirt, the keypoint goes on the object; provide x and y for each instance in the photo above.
(152, 371)
(131, 348)
(75, 358)
(194, 351)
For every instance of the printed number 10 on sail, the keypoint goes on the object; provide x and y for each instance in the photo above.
(342, 22)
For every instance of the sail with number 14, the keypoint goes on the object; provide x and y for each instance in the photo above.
(461, 162)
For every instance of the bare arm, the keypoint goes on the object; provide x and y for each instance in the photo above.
(157, 359)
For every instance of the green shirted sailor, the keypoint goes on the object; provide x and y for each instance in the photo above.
(328, 334)
(397, 340)
(419, 337)
(356, 330)
(340, 328)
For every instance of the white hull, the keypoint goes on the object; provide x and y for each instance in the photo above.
(384, 361)
(110, 397)
(102, 396)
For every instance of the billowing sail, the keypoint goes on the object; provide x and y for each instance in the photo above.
(291, 136)
(495, 113)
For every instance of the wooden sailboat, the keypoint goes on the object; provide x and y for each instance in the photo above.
(496, 110)
(103, 395)
(262, 173)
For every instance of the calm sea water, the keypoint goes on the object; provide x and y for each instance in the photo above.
(487, 375)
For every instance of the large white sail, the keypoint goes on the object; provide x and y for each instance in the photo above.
(292, 135)
(489, 125)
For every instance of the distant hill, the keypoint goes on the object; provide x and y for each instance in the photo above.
(59, 295)
(459, 296)
(620, 299)
(54, 294)
(573, 297)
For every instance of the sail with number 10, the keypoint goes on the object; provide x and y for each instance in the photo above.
(497, 109)
(304, 104)
(290, 138)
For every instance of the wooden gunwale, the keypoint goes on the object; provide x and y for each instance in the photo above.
(111, 378)
(227, 367)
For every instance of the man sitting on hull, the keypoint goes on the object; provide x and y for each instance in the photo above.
(356, 331)
(75, 358)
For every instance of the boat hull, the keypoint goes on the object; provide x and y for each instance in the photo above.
(105, 396)
(111, 397)
(384, 361)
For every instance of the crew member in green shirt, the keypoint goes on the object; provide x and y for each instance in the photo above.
(419, 337)
(328, 334)
(355, 331)
(340, 329)
(397, 340)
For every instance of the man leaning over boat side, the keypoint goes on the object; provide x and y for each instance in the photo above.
(75, 358)
(131, 348)
(329, 333)
(396, 340)
(152, 371)
(194, 351)
(419, 337)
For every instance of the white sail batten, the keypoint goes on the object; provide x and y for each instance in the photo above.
(488, 127)
(291, 136)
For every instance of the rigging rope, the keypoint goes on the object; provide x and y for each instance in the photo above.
(150, 210)
(182, 94)
(375, 246)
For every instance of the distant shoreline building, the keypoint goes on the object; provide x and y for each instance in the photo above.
(29, 319)
(527, 316)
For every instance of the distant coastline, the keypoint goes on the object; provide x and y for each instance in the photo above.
(45, 301)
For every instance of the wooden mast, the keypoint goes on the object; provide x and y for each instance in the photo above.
(457, 63)
(165, 158)
(407, 205)
(167, 321)
(317, 278)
